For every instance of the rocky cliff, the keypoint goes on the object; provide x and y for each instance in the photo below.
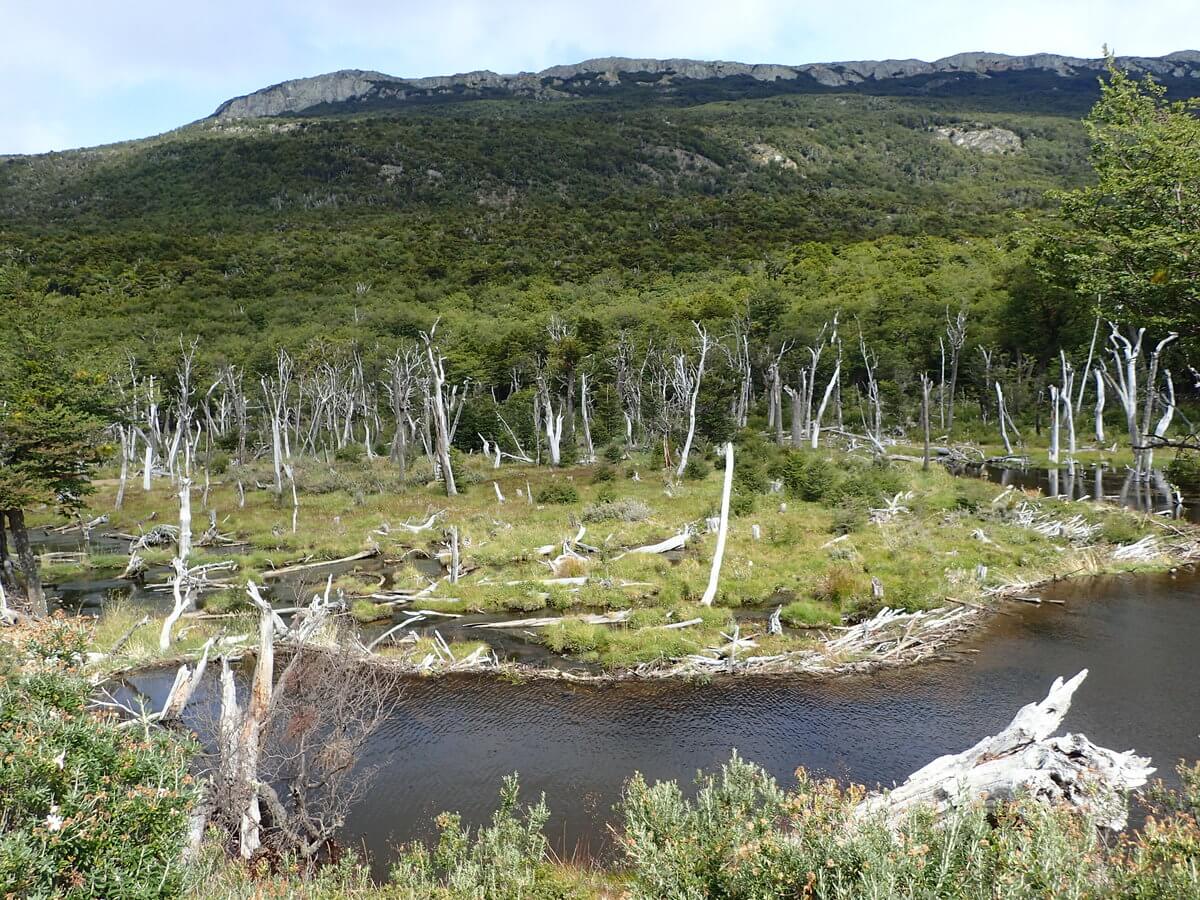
(351, 88)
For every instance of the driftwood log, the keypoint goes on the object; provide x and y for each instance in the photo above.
(1025, 760)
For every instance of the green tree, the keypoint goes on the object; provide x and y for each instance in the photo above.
(52, 419)
(1138, 238)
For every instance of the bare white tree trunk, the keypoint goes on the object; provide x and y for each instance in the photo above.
(956, 333)
(714, 575)
(1068, 411)
(585, 400)
(1002, 415)
(437, 370)
(1160, 430)
(816, 423)
(148, 468)
(1054, 427)
(181, 590)
(1087, 367)
(185, 518)
(1024, 760)
(126, 450)
(1099, 373)
(874, 426)
(697, 376)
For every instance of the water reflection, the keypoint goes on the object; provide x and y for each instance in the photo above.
(450, 740)
(1077, 482)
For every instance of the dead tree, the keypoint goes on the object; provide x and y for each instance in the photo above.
(688, 380)
(1068, 411)
(1125, 355)
(714, 575)
(275, 391)
(585, 403)
(738, 356)
(1087, 367)
(815, 427)
(1006, 421)
(284, 772)
(403, 380)
(925, 391)
(873, 423)
(956, 337)
(1024, 760)
(549, 417)
(774, 375)
(630, 376)
(437, 400)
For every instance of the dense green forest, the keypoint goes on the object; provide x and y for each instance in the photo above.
(495, 213)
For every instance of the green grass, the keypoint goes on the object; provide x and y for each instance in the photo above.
(809, 555)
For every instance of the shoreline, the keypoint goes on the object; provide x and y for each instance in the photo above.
(912, 647)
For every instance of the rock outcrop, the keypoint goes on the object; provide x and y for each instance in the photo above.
(356, 88)
(989, 141)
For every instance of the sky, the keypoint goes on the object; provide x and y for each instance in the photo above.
(81, 72)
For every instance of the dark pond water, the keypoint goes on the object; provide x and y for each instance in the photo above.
(1156, 494)
(451, 740)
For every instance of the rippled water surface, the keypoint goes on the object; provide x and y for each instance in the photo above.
(450, 741)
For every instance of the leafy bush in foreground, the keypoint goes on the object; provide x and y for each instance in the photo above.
(505, 859)
(87, 809)
(743, 837)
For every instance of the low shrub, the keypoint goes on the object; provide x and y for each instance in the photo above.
(809, 476)
(603, 474)
(624, 510)
(810, 614)
(613, 453)
(1118, 528)
(742, 502)
(840, 584)
(351, 453)
(696, 469)
(1184, 467)
(873, 483)
(847, 518)
(557, 492)
(87, 809)
(507, 858)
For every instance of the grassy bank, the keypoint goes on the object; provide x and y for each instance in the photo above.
(826, 536)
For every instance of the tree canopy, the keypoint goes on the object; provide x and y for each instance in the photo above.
(1137, 237)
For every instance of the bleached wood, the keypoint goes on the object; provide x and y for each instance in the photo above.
(714, 575)
(1024, 760)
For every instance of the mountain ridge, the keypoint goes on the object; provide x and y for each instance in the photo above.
(358, 86)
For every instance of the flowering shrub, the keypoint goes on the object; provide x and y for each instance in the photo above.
(87, 808)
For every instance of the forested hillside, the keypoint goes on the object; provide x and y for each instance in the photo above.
(363, 227)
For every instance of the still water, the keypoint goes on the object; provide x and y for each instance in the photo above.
(450, 740)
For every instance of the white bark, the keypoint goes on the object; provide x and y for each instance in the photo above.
(816, 422)
(185, 519)
(697, 376)
(437, 369)
(1002, 415)
(1054, 424)
(714, 575)
(181, 590)
(1024, 760)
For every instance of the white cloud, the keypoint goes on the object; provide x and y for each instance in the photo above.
(80, 60)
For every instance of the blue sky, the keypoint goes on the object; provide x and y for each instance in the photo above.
(79, 73)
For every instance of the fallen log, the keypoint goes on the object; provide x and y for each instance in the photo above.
(596, 619)
(1024, 760)
(675, 542)
(301, 567)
